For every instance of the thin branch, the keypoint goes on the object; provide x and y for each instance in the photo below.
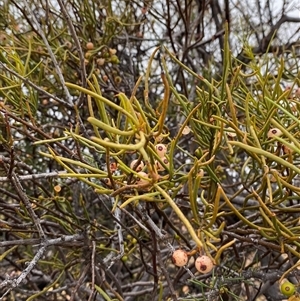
(22, 242)
(52, 55)
(80, 281)
(92, 294)
(110, 259)
(26, 201)
(13, 283)
(77, 44)
(37, 88)
(33, 176)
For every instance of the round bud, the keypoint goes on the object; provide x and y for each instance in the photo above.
(200, 173)
(159, 166)
(139, 167)
(124, 258)
(161, 149)
(204, 264)
(45, 101)
(287, 288)
(180, 258)
(142, 178)
(231, 133)
(118, 80)
(87, 55)
(114, 59)
(100, 61)
(186, 130)
(107, 182)
(275, 132)
(68, 44)
(113, 166)
(112, 51)
(89, 46)
(57, 188)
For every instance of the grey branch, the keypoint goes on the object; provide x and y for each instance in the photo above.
(20, 191)
(13, 283)
(34, 176)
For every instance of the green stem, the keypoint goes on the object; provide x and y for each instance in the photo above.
(109, 128)
(262, 152)
(130, 147)
(180, 215)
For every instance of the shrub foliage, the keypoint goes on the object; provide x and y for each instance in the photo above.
(84, 92)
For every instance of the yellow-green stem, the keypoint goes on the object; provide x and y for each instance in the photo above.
(180, 215)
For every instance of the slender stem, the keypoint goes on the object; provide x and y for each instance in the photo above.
(180, 215)
(262, 152)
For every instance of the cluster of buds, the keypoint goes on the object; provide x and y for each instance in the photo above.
(161, 151)
(160, 165)
(137, 165)
(203, 263)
